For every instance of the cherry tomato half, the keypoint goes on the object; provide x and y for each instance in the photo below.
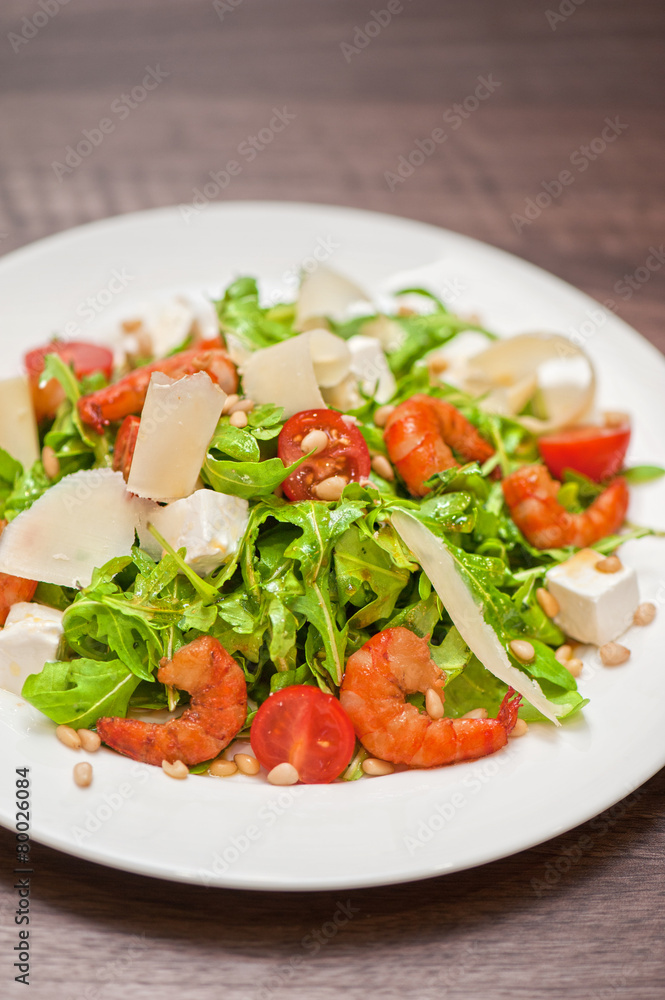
(13, 589)
(596, 452)
(85, 359)
(306, 727)
(346, 453)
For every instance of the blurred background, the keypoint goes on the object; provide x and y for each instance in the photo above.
(522, 91)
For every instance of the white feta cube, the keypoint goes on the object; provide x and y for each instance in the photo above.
(209, 525)
(595, 607)
(29, 639)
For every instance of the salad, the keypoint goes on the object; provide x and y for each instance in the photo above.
(359, 537)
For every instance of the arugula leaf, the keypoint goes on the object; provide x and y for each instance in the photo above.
(80, 692)
(367, 577)
(246, 479)
(10, 472)
(642, 474)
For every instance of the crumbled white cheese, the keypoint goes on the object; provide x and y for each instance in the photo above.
(595, 607)
(29, 639)
(209, 525)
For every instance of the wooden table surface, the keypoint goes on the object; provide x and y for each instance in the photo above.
(556, 921)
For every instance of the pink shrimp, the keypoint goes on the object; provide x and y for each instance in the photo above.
(421, 434)
(13, 589)
(127, 396)
(531, 495)
(216, 714)
(378, 677)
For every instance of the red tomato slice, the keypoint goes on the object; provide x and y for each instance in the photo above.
(306, 727)
(85, 359)
(346, 453)
(125, 443)
(13, 589)
(596, 452)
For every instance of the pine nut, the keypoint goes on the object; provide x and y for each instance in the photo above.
(241, 406)
(612, 564)
(315, 441)
(83, 774)
(437, 365)
(523, 650)
(519, 729)
(574, 666)
(381, 415)
(330, 488)
(238, 419)
(612, 654)
(563, 653)
(375, 768)
(69, 737)
(50, 461)
(615, 418)
(283, 774)
(89, 741)
(433, 704)
(229, 402)
(131, 325)
(475, 713)
(246, 764)
(548, 602)
(175, 770)
(350, 420)
(383, 468)
(645, 614)
(222, 768)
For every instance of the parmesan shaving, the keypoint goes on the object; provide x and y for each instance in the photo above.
(326, 293)
(178, 420)
(76, 526)
(18, 427)
(439, 565)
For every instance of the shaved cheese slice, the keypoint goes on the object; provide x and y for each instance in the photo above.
(178, 420)
(510, 371)
(326, 293)
(289, 374)
(467, 616)
(18, 427)
(75, 527)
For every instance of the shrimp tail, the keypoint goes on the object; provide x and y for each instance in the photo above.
(507, 714)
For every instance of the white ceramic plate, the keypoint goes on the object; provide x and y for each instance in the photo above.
(241, 832)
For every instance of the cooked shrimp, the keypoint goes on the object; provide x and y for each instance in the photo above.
(127, 396)
(13, 589)
(216, 713)
(531, 495)
(378, 677)
(421, 434)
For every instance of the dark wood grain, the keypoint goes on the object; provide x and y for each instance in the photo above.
(559, 920)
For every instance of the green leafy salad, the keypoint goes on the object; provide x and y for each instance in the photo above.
(307, 581)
